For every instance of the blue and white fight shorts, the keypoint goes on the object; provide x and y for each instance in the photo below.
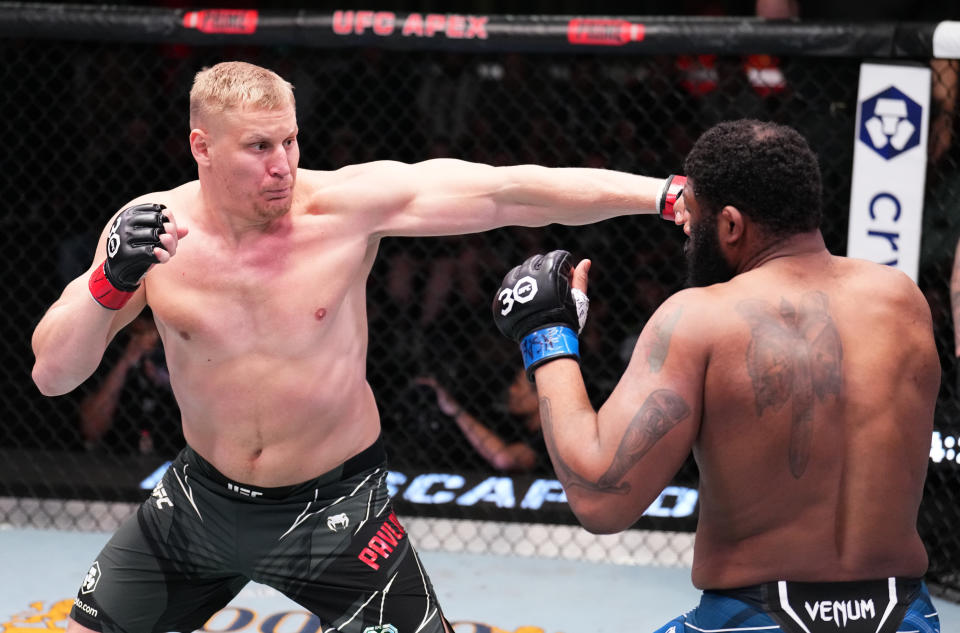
(893, 605)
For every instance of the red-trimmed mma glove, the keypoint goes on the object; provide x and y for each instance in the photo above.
(537, 307)
(130, 243)
(668, 196)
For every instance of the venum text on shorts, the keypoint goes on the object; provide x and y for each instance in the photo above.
(841, 612)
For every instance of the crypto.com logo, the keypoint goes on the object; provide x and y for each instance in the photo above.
(890, 123)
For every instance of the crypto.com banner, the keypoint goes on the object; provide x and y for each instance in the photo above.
(889, 165)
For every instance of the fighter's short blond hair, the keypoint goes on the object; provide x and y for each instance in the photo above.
(235, 85)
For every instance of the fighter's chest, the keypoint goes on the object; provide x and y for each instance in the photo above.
(287, 286)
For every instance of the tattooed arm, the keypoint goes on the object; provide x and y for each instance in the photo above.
(613, 463)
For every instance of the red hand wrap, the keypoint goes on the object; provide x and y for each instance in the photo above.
(105, 292)
(672, 188)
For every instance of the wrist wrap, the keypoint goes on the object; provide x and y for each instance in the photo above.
(104, 292)
(671, 190)
(549, 343)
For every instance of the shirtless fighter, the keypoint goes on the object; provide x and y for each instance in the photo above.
(804, 384)
(261, 308)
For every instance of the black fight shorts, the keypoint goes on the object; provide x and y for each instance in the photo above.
(333, 545)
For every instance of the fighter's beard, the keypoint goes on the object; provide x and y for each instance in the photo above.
(706, 264)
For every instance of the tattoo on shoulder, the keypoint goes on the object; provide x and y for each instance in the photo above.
(795, 355)
(662, 333)
(661, 411)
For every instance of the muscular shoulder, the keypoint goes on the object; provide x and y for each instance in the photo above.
(177, 195)
(375, 189)
(179, 199)
(691, 313)
(398, 171)
(700, 306)
(884, 286)
(341, 189)
(348, 173)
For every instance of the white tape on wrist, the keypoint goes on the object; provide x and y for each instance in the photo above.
(583, 306)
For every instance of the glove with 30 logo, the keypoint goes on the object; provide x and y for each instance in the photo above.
(537, 307)
(130, 243)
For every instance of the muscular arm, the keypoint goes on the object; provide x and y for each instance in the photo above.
(72, 336)
(449, 197)
(70, 339)
(613, 463)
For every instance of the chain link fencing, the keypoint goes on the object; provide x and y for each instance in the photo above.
(92, 124)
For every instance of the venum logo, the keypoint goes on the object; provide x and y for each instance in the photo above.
(890, 123)
(381, 628)
(840, 612)
(338, 522)
(92, 578)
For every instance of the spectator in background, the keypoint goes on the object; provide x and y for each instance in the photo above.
(521, 450)
(132, 410)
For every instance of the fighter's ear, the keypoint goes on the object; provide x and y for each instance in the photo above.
(730, 224)
(200, 146)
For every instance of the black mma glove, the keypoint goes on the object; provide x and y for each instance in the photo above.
(130, 243)
(537, 307)
(668, 196)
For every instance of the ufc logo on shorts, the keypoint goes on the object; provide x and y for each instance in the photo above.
(524, 290)
(246, 492)
(160, 493)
